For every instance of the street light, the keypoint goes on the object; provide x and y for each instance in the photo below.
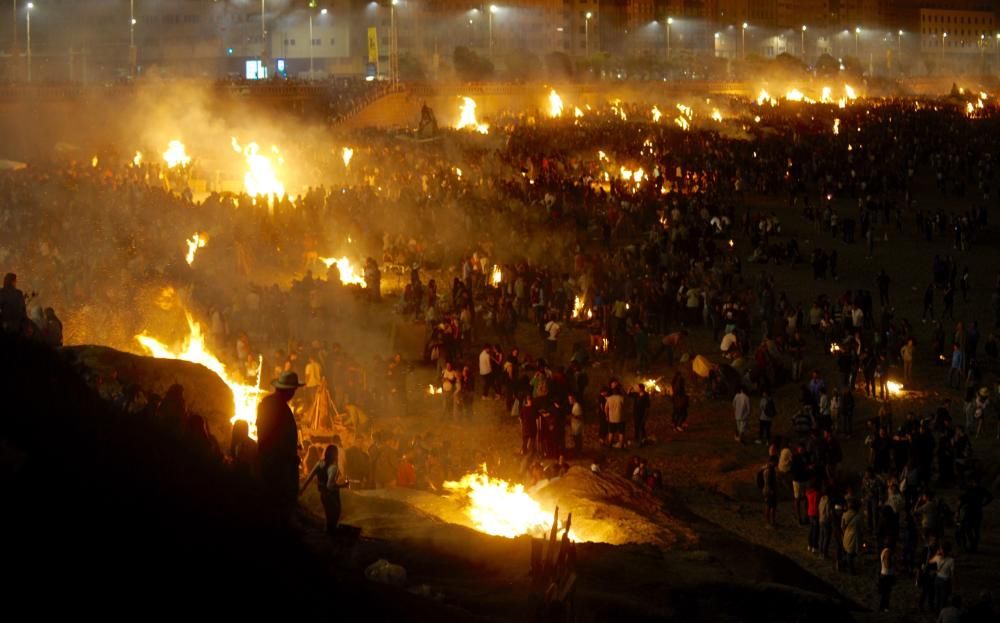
(744, 39)
(899, 43)
(131, 38)
(311, 40)
(944, 36)
(394, 43)
(857, 36)
(803, 47)
(493, 10)
(31, 5)
(670, 22)
(586, 33)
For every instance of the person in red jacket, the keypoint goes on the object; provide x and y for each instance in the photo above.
(812, 512)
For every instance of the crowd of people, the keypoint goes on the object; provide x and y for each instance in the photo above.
(556, 261)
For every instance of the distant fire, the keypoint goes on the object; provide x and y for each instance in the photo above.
(502, 508)
(195, 242)
(347, 274)
(346, 154)
(433, 391)
(176, 155)
(895, 389)
(467, 117)
(496, 276)
(261, 178)
(555, 104)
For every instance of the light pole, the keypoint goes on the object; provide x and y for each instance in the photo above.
(744, 40)
(803, 43)
(493, 9)
(899, 43)
(982, 47)
(131, 38)
(944, 36)
(27, 33)
(670, 22)
(321, 12)
(586, 33)
(857, 37)
(394, 41)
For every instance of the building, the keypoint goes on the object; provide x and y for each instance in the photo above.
(320, 34)
(951, 31)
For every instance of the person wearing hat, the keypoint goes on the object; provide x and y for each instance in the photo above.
(277, 442)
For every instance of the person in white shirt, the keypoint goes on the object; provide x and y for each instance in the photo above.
(486, 369)
(576, 425)
(741, 411)
(944, 580)
(552, 328)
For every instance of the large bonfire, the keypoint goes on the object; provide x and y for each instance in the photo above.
(193, 349)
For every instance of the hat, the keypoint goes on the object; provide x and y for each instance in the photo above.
(287, 380)
(984, 392)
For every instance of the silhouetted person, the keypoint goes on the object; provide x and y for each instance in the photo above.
(13, 311)
(327, 473)
(277, 442)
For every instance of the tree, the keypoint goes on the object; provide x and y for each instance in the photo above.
(559, 66)
(826, 65)
(522, 65)
(470, 66)
(411, 68)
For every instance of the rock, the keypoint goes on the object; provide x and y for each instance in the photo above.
(204, 392)
(385, 572)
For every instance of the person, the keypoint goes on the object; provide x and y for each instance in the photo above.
(327, 475)
(529, 426)
(277, 442)
(13, 309)
(906, 354)
(741, 411)
(679, 403)
(576, 425)
(406, 476)
(886, 579)
(800, 472)
(944, 580)
(450, 387)
(552, 329)
(486, 371)
(851, 526)
(640, 409)
(812, 513)
(825, 508)
(769, 488)
(767, 414)
(53, 330)
(970, 515)
(613, 406)
(242, 449)
(847, 412)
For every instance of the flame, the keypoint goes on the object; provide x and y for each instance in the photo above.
(764, 96)
(970, 109)
(653, 385)
(826, 95)
(137, 159)
(347, 153)
(686, 111)
(195, 242)
(501, 508)
(467, 118)
(794, 95)
(93, 162)
(683, 123)
(434, 390)
(896, 389)
(578, 308)
(836, 126)
(656, 114)
(849, 92)
(577, 112)
(193, 349)
(601, 155)
(347, 274)
(716, 115)
(176, 155)
(834, 348)
(496, 276)
(555, 104)
(618, 110)
(260, 178)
